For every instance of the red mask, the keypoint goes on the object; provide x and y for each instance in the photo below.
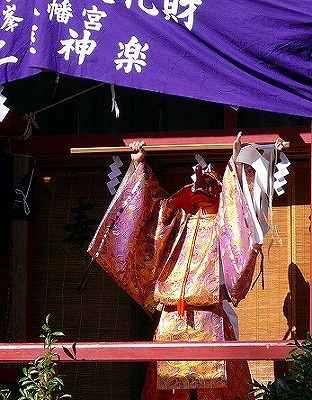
(203, 194)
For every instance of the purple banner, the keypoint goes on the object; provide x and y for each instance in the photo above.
(250, 53)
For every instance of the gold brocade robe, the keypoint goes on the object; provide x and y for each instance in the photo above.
(191, 271)
(158, 253)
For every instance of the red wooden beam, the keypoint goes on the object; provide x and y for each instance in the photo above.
(310, 325)
(61, 144)
(148, 351)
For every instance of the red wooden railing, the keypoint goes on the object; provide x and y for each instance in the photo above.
(148, 351)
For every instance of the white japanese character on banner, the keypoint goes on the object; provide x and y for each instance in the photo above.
(133, 55)
(9, 59)
(151, 10)
(94, 15)
(63, 11)
(83, 47)
(171, 10)
(11, 21)
(34, 29)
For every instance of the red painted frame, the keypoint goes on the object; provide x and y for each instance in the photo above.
(149, 351)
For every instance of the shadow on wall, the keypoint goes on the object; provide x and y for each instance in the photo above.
(296, 310)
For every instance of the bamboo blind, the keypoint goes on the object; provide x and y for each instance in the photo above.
(105, 313)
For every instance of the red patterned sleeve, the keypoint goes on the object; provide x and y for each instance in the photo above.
(124, 244)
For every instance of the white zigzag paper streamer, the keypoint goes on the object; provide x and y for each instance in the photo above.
(115, 171)
(3, 109)
(280, 173)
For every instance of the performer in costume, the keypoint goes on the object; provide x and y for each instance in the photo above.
(188, 255)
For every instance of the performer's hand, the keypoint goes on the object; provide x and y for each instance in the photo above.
(237, 145)
(138, 153)
(280, 143)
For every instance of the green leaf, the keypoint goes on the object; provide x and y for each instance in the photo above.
(58, 334)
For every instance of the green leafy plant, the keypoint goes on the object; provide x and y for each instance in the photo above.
(296, 383)
(41, 380)
(5, 394)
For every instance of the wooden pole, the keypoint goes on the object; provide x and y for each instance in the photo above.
(154, 148)
(163, 147)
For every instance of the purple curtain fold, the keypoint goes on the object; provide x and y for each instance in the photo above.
(250, 53)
